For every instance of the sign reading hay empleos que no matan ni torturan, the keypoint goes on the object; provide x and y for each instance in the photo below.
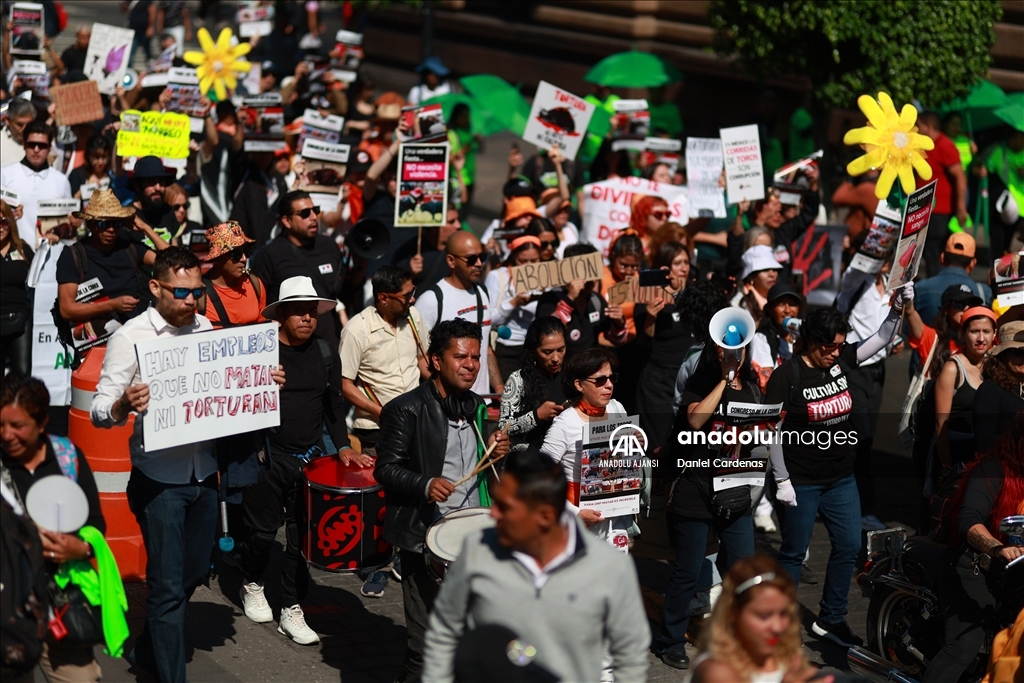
(538, 276)
(210, 384)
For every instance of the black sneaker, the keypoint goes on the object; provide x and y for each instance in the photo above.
(677, 659)
(839, 633)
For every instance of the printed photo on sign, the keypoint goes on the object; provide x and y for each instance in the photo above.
(422, 185)
(913, 234)
(880, 240)
(558, 117)
(630, 124)
(97, 329)
(609, 468)
(425, 123)
(322, 128)
(348, 50)
(217, 382)
(703, 171)
(744, 173)
(1009, 284)
(323, 167)
(25, 23)
(107, 58)
(33, 75)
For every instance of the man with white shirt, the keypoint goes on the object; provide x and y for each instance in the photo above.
(459, 295)
(19, 114)
(572, 623)
(172, 491)
(33, 179)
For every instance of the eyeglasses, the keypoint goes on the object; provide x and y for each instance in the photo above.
(548, 244)
(238, 253)
(182, 293)
(304, 213)
(601, 380)
(832, 348)
(37, 145)
(103, 226)
(472, 259)
(660, 215)
(179, 207)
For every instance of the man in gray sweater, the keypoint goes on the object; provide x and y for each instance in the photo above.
(562, 590)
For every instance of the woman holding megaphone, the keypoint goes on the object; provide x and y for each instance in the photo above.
(722, 385)
(812, 455)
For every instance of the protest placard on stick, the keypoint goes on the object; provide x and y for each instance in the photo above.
(26, 27)
(744, 173)
(703, 170)
(423, 185)
(107, 58)
(558, 117)
(913, 234)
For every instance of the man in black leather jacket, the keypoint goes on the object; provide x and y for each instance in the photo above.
(428, 442)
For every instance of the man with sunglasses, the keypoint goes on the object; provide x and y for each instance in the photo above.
(33, 179)
(300, 250)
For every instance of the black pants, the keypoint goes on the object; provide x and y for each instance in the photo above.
(934, 245)
(419, 590)
(866, 385)
(18, 349)
(967, 605)
(368, 439)
(274, 500)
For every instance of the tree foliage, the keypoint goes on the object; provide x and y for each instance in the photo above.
(933, 51)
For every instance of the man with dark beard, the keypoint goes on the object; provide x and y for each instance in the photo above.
(149, 180)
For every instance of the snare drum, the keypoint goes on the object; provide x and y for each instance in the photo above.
(343, 529)
(445, 537)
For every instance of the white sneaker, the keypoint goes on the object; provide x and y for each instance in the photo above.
(293, 625)
(765, 523)
(254, 603)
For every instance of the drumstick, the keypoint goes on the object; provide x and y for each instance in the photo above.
(483, 463)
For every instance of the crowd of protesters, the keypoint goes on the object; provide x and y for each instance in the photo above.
(391, 362)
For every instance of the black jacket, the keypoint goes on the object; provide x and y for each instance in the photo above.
(411, 450)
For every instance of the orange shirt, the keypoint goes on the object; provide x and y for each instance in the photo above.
(924, 345)
(242, 305)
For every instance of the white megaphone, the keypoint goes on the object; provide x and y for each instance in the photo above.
(732, 329)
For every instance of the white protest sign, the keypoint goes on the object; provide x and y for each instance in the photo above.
(607, 207)
(744, 174)
(558, 117)
(210, 384)
(57, 207)
(12, 198)
(25, 23)
(108, 56)
(325, 151)
(703, 169)
(610, 478)
(49, 362)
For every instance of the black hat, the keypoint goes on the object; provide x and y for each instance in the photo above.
(782, 289)
(493, 653)
(519, 186)
(359, 161)
(151, 167)
(960, 294)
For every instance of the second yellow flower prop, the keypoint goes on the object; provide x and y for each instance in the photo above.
(217, 63)
(892, 144)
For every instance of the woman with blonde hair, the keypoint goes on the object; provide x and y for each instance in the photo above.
(754, 630)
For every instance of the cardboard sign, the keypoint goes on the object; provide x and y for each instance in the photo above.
(162, 134)
(324, 167)
(607, 207)
(744, 174)
(108, 56)
(630, 291)
(77, 103)
(913, 234)
(546, 274)
(207, 385)
(609, 482)
(26, 26)
(703, 169)
(422, 185)
(558, 117)
(880, 241)
(1009, 285)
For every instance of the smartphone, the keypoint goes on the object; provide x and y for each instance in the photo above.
(654, 278)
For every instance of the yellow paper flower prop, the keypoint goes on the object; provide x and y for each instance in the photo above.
(217, 63)
(892, 144)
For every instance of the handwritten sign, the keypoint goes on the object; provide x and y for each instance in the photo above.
(629, 290)
(744, 173)
(538, 276)
(608, 207)
(703, 169)
(558, 117)
(77, 103)
(913, 234)
(162, 134)
(207, 385)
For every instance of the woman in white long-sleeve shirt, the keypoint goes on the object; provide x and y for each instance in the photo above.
(510, 311)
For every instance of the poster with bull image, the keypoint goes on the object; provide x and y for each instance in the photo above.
(422, 185)
(26, 26)
(880, 240)
(1009, 283)
(324, 166)
(913, 233)
(558, 117)
(215, 383)
(108, 56)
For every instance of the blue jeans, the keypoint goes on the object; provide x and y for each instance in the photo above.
(839, 506)
(179, 526)
(691, 535)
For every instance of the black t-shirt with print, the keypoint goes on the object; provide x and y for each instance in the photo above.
(116, 271)
(816, 439)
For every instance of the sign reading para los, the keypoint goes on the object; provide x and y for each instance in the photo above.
(218, 381)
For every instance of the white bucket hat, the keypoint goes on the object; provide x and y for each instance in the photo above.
(759, 257)
(299, 288)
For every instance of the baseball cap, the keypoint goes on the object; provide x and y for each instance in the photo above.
(519, 186)
(962, 244)
(783, 289)
(960, 294)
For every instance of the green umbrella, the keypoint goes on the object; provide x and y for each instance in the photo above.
(1013, 111)
(481, 120)
(977, 106)
(633, 69)
(501, 98)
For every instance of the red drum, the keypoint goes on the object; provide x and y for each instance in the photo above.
(344, 526)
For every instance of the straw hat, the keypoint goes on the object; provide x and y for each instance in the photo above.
(104, 204)
(298, 288)
(224, 238)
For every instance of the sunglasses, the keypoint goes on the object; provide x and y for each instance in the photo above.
(179, 207)
(660, 215)
(305, 213)
(239, 253)
(402, 297)
(181, 293)
(4, 222)
(548, 244)
(601, 380)
(37, 145)
(103, 226)
(472, 259)
(832, 348)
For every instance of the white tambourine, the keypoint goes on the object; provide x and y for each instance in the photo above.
(56, 503)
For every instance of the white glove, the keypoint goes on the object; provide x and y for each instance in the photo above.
(786, 493)
(904, 296)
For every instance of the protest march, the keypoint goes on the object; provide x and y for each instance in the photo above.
(337, 343)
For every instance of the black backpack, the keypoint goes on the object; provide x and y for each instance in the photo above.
(214, 299)
(24, 601)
